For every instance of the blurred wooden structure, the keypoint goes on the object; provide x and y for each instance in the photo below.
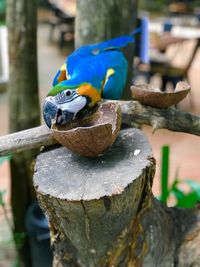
(161, 43)
(178, 8)
(63, 18)
(174, 64)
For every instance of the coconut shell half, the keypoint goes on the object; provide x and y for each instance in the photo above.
(148, 95)
(92, 135)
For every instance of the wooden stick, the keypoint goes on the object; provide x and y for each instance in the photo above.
(27, 139)
(133, 114)
(168, 118)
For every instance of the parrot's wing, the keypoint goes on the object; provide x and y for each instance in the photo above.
(61, 75)
(91, 50)
(114, 84)
(95, 49)
(115, 76)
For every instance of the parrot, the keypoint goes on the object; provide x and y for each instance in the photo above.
(90, 73)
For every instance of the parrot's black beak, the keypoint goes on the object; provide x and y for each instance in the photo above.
(63, 117)
(61, 112)
(50, 110)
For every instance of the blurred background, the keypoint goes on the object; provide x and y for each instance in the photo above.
(169, 52)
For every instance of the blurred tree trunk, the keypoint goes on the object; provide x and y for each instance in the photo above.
(24, 110)
(97, 21)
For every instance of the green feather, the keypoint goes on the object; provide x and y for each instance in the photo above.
(58, 88)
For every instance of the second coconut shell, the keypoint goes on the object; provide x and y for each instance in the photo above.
(148, 95)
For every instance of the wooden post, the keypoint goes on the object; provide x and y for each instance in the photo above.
(24, 110)
(91, 203)
(102, 213)
(97, 21)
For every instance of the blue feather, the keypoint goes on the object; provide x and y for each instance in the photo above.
(115, 43)
(90, 64)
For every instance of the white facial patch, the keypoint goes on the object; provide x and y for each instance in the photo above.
(50, 98)
(75, 105)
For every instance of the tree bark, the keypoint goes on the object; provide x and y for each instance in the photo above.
(24, 108)
(102, 212)
(97, 21)
(91, 206)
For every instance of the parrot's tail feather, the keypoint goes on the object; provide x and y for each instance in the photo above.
(135, 31)
(116, 43)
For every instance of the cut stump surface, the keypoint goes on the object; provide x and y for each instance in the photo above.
(62, 174)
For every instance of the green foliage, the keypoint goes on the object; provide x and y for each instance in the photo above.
(17, 263)
(43, 3)
(2, 11)
(2, 6)
(151, 5)
(19, 238)
(2, 192)
(3, 159)
(164, 173)
(183, 199)
(160, 6)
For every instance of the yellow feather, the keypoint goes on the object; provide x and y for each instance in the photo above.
(108, 74)
(88, 90)
(63, 67)
(63, 74)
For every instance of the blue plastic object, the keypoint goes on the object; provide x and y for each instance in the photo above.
(167, 26)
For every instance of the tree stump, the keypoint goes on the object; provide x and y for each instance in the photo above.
(102, 213)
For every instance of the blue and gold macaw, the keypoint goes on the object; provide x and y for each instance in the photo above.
(90, 73)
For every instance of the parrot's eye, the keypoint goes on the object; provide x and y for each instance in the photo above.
(65, 96)
(68, 93)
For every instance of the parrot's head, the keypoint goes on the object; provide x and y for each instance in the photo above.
(63, 104)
